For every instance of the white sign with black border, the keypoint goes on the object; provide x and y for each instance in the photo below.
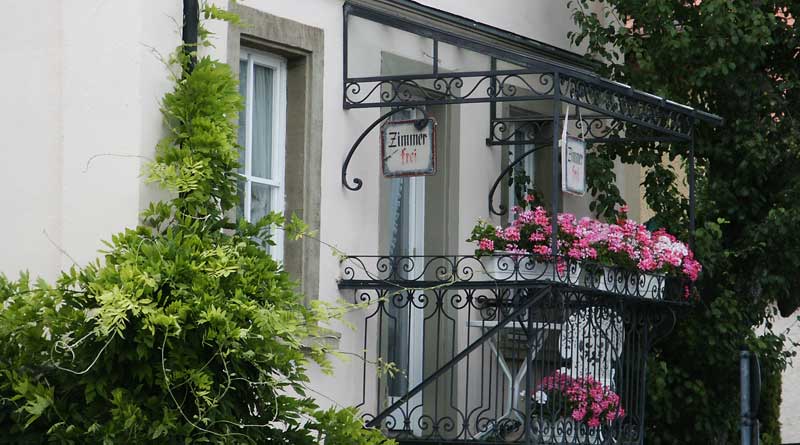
(573, 161)
(408, 148)
(574, 166)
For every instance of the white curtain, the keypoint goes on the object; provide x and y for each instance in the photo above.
(262, 122)
(261, 107)
(397, 219)
(395, 205)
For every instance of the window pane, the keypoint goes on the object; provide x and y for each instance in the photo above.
(262, 122)
(522, 176)
(243, 113)
(261, 201)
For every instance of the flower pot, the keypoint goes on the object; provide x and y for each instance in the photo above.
(646, 285)
(624, 281)
(500, 266)
(504, 266)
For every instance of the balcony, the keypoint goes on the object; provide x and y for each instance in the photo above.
(506, 349)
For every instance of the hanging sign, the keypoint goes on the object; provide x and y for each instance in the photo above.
(408, 148)
(574, 162)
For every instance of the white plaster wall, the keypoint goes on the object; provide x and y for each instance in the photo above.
(30, 156)
(81, 84)
(545, 20)
(790, 403)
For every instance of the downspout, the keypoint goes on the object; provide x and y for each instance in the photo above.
(191, 23)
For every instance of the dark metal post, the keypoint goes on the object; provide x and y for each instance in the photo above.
(191, 24)
(744, 380)
(642, 370)
(492, 104)
(436, 56)
(556, 165)
(527, 424)
(345, 14)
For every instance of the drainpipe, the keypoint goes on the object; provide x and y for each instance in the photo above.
(191, 22)
(750, 386)
(744, 383)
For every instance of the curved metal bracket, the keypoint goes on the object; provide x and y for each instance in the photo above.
(357, 182)
(502, 209)
(665, 322)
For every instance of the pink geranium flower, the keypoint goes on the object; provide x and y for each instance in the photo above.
(624, 243)
(587, 399)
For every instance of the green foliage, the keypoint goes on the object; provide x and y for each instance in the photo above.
(737, 58)
(199, 157)
(343, 427)
(770, 407)
(186, 330)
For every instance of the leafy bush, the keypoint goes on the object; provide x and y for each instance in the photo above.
(186, 330)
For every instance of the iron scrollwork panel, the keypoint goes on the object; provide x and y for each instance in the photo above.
(515, 131)
(625, 107)
(508, 270)
(518, 337)
(448, 89)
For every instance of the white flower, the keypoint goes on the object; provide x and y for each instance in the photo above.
(540, 397)
(46, 333)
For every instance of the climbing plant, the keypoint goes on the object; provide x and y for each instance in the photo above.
(741, 60)
(185, 330)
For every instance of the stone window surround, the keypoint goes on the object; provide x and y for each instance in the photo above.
(302, 46)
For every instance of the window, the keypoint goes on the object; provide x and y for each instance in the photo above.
(302, 47)
(522, 176)
(528, 132)
(262, 133)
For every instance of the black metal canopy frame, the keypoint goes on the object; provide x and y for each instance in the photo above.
(611, 111)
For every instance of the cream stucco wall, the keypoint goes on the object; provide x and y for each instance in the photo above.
(790, 403)
(81, 84)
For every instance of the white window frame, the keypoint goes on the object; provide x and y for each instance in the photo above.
(277, 184)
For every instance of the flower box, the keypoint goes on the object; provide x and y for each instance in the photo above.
(624, 281)
(646, 285)
(506, 266)
(630, 259)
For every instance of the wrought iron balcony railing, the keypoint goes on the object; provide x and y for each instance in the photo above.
(506, 349)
